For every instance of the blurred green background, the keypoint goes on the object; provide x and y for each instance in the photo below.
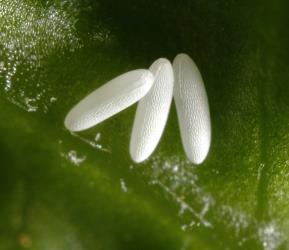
(81, 192)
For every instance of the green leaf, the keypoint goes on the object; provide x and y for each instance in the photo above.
(82, 191)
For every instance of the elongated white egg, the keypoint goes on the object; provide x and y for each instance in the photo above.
(192, 109)
(109, 99)
(152, 112)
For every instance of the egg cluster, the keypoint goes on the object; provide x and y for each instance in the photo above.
(154, 89)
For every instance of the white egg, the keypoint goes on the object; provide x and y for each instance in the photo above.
(192, 109)
(111, 98)
(152, 112)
